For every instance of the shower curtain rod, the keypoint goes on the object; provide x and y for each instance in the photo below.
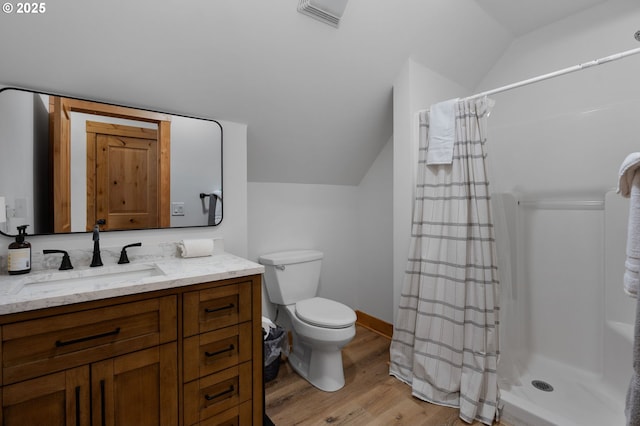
(558, 73)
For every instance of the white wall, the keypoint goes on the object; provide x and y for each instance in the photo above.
(571, 133)
(374, 294)
(416, 87)
(233, 228)
(350, 224)
(285, 216)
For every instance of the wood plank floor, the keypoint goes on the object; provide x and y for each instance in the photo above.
(369, 397)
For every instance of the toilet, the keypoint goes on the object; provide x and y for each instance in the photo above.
(320, 327)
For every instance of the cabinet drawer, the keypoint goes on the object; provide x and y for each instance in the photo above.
(40, 346)
(210, 352)
(216, 308)
(236, 416)
(217, 393)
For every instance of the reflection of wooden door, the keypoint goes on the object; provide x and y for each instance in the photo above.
(60, 110)
(122, 177)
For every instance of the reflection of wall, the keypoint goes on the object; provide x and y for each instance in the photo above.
(195, 150)
(16, 108)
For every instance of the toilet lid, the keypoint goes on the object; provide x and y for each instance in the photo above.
(325, 313)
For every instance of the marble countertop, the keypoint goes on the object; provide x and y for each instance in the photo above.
(44, 289)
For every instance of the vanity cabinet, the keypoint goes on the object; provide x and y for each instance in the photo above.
(181, 356)
(133, 389)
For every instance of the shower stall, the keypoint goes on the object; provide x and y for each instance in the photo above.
(555, 148)
(567, 326)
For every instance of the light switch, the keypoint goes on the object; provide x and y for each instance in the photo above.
(177, 209)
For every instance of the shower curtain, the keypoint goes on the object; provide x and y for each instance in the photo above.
(445, 338)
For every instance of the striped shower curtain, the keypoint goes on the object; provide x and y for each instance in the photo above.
(445, 338)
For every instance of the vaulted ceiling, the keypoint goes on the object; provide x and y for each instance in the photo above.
(317, 100)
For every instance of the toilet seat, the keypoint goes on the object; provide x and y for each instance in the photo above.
(325, 313)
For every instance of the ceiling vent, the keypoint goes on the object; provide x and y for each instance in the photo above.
(327, 11)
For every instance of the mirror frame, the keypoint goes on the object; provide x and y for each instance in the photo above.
(108, 109)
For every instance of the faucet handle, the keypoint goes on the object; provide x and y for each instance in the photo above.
(123, 253)
(66, 261)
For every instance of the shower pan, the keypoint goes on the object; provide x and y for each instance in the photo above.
(566, 324)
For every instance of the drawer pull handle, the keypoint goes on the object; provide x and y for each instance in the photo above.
(212, 397)
(222, 308)
(77, 405)
(221, 351)
(60, 343)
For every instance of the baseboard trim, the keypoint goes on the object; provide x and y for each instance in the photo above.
(374, 324)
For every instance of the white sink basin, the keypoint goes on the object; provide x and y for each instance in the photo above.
(95, 278)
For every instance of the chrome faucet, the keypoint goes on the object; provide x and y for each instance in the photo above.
(96, 261)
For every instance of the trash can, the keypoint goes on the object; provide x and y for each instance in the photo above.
(274, 345)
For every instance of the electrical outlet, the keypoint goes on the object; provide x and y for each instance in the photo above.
(177, 209)
(20, 207)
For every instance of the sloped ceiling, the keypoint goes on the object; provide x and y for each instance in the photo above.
(317, 100)
(521, 17)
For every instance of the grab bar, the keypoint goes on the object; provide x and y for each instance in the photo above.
(550, 204)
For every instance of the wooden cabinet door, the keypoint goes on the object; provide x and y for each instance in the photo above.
(136, 389)
(56, 399)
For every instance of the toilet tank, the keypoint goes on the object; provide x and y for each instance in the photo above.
(291, 276)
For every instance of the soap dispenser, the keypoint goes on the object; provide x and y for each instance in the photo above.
(19, 259)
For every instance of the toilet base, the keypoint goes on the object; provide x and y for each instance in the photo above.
(323, 369)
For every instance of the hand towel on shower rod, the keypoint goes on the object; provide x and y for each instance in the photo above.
(442, 131)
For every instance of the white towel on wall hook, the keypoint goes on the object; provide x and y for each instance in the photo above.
(213, 201)
(627, 170)
(629, 186)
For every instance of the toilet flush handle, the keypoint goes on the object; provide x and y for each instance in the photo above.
(280, 267)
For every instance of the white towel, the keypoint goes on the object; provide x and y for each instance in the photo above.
(627, 170)
(196, 247)
(442, 119)
(631, 276)
(632, 405)
(629, 186)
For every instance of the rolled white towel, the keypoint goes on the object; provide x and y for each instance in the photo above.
(196, 247)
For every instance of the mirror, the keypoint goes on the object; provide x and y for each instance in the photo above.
(67, 164)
